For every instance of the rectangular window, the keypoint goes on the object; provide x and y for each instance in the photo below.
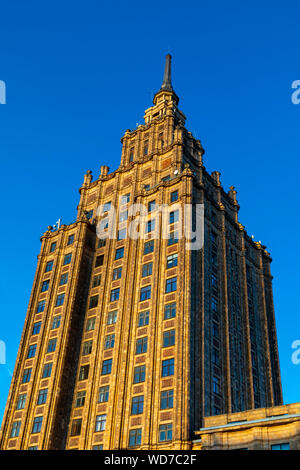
(84, 372)
(174, 196)
(214, 304)
(150, 226)
(166, 399)
(165, 432)
(141, 345)
(135, 437)
(71, 239)
(26, 375)
(216, 385)
(67, 259)
(60, 300)
(45, 286)
(168, 367)
(100, 423)
(52, 247)
(109, 341)
(215, 330)
(168, 338)
(146, 147)
(147, 269)
(15, 429)
(119, 253)
(131, 155)
(148, 247)
(80, 399)
(51, 345)
(139, 374)
(93, 301)
(90, 324)
(137, 405)
(122, 233)
(170, 311)
(47, 370)
(114, 294)
(125, 199)
(145, 293)
(42, 396)
(123, 216)
(112, 317)
(284, 446)
(107, 206)
(31, 351)
(106, 367)
(99, 261)
(56, 322)
(103, 394)
(215, 356)
(172, 260)
(96, 280)
(173, 217)
(101, 242)
(36, 328)
(63, 279)
(21, 401)
(49, 266)
(76, 427)
(143, 318)
(41, 306)
(151, 206)
(87, 348)
(117, 273)
(171, 284)
(173, 238)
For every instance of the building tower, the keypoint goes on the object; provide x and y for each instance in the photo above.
(131, 337)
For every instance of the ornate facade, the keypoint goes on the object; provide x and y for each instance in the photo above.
(129, 342)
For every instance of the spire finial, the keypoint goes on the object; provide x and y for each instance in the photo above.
(167, 85)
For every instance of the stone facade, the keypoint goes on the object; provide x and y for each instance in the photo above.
(150, 336)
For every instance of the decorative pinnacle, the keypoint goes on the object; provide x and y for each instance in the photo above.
(167, 85)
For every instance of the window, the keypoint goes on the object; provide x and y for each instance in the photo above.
(145, 293)
(166, 178)
(90, 324)
(216, 385)
(99, 261)
(100, 423)
(87, 347)
(117, 273)
(141, 345)
(214, 304)
(80, 399)
(101, 242)
(174, 196)
(174, 216)
(123, 216)
(112, 317)
(215, 356)
(63, 279)
(143, 318)
(168, 367)
(284, 446)
(71, 239)
(31, 351)
(84, 372)
(42, 396)
(119, 253)
(93, 301)
(21, 401)
(148, 247)
(104, 223)
(76, 427)
(56, 322)
(168, 338)
(37, 424)
(89, 214)
(60, 300)
(170, 311)
(125, 199)
(98, 447)
(165, 432)
(137, 405)
(147, 269)
(26, 375)
(122, 233)
(172, 260)
(96, 280)
(131, 155)
(41, 306)
(52, 247)
(135, 437)
(15, 429)
(146, 187)
(166, 399)
(151, 206)
(114, 294)
(67, 259)
(139, 374)
(49, 266)
(109, 341)
(106, 367)
(36, 328)
(47, 370)
(216, 410)
(146, 147)
(171, 284)
(215, 330)
(173, 238)
(214, 281)
(103, 394)
(213, 237)
(45, 286)
(107, 206)
(150, 226)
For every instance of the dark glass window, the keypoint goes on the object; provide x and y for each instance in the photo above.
(42, 396)
(76, 427)
(49, 266)
(99, 261)
(103, 394)
(67, 259)
(26, 375)
(166, 399)
(171, 284)
(47, 370)
(148, 247)
(80, 399)
(31, 351)
(139, 374)
(173, 238)
(87, 347)
(36, 328)
(135, 437)
(93, 301)
(145, 293)
(174, 196)
(112, 317)
(151, 206)
(170, 311)
(172, 260)
(137, 405)
(52, 247)
(168, 367)
(109, 341)
(56, 322)
(21, 401)
(15, 429)
(168, 338)
(100, 423)
(122, 233)
(165, 432)
(60, 300)
(117, 273)
(141, 345)
(90, 324)
(119, 253)
(84, 372)
(143, 318)
(174, 217)
(147, 269)
(114, 294)
(45, 286)
(96, 280)
(41, 306)
(106, 367)
(63, 279)
(71, 239)
(101, 242)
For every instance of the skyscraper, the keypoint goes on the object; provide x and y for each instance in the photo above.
(136, 331)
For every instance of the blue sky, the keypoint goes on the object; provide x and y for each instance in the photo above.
(78, 74)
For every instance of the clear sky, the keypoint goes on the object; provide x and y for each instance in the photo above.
(78, 74)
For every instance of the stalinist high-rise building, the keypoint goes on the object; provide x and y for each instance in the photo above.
(135, 333)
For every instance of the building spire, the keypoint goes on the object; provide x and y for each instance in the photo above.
(167, 85)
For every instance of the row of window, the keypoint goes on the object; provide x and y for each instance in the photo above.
(70, 241)
(67, 260)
